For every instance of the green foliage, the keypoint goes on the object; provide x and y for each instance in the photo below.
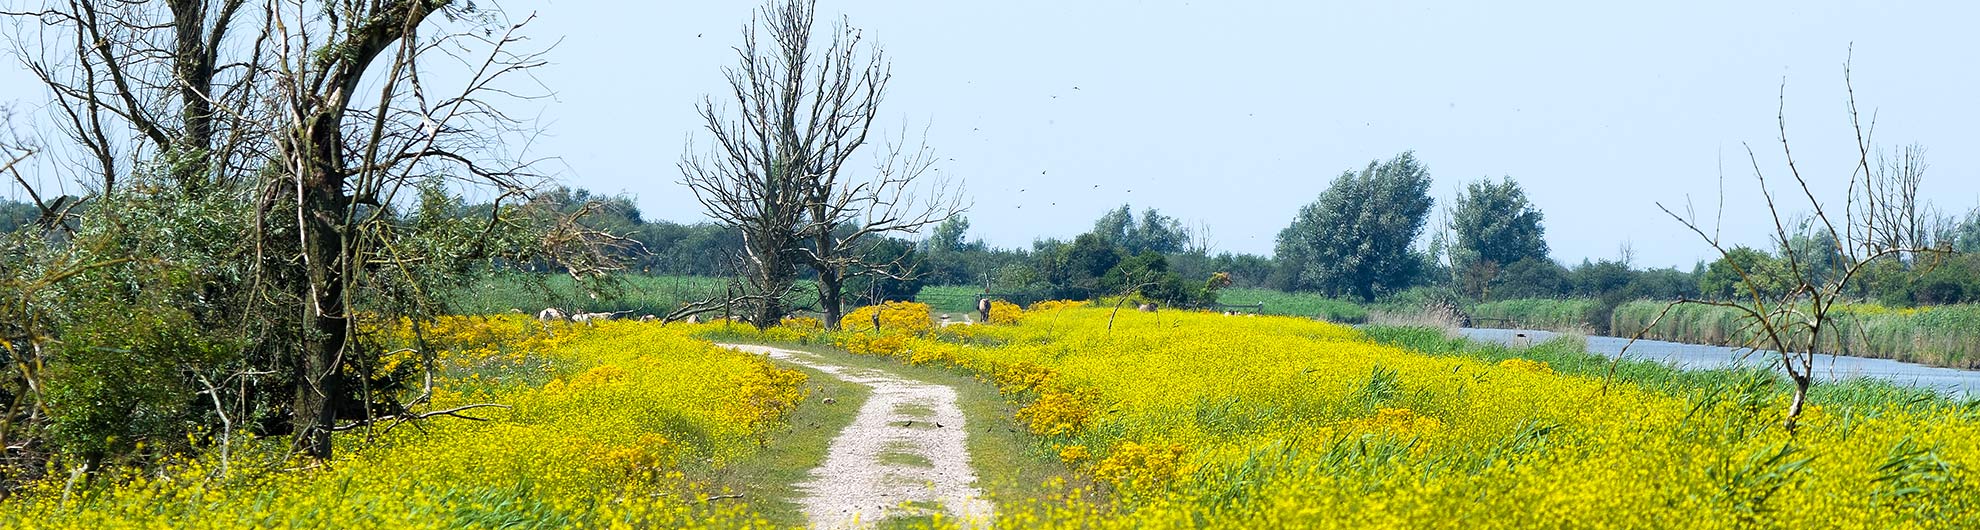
(17, 215)
(870, 288)
(1495, 227)
(1723, 279)
(1154, 232)
(1965, 237)
(1148, 273)
(1529, 278)
(133, 341)
(1355, 239)
(948, 236)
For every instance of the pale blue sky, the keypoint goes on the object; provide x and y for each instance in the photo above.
(1236, 114)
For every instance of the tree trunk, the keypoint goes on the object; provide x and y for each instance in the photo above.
(830, 285)
(831, 280)
(775, 273)
(193, 69)
(322, 209)
(1800, 397)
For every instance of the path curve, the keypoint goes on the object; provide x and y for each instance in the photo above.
(872, 470)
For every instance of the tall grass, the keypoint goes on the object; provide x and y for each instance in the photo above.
(1534, 313)
(957, 299)
(1310, 305)
(1939, 336)
(504, 292)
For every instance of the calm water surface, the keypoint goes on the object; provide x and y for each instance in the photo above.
(1956, 382)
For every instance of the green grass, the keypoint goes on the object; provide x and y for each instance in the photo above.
(1297, 304)
(916, 410)
(633, 294)
(952, 299)
(768, 480)
(902, 454)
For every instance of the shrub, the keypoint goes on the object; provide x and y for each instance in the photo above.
(912, 317)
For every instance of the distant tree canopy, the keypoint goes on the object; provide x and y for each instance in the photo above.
(1728, 277)
(948, 236)
(1965, 237)
(1356, 238)
(16, 215)
(1153, 233)
(1494, 226)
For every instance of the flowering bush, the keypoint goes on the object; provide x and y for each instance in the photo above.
(1002, 312)
(912, 317)
(1202, 420)
(600, 442)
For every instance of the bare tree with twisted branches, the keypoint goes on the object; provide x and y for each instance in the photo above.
(1795, 322)
(778, 168)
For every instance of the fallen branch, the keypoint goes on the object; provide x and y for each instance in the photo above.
(402, 418)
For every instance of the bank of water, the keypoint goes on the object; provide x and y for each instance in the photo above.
(1951, 381)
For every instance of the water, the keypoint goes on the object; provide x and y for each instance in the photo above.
(1950, 381)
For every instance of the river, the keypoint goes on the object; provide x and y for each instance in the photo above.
(1951, 381)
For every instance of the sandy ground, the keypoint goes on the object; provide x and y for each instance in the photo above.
(918, 429)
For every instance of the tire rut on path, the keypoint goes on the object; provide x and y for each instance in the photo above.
(875, 469)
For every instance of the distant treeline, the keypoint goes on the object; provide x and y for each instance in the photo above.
(1363, 238)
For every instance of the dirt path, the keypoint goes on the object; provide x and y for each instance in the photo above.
(903, 455)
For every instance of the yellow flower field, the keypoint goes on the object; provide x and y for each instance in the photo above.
(605, 425)
(1204, 420)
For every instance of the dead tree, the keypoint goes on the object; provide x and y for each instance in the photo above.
(779, 171)
(788, 124)
(1892, 214)
(1798, 321)
(847, 215)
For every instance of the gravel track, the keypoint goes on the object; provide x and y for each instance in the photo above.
(903, 455)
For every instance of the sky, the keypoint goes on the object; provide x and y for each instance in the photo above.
(1233, 115)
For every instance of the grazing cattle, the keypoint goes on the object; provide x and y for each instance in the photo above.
(648, 318)
(1148, 307)
(983, 309)
(694, 319)
(550, 314)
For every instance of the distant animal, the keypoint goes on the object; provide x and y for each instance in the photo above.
(550, 314)
(1148, 307)
(983, 309)
(694, 319)
(648, 318)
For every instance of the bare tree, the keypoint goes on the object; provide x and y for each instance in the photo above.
(1891, 213)
(1798, 321)
(171, 83)
(899, 199)
(777, 171)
